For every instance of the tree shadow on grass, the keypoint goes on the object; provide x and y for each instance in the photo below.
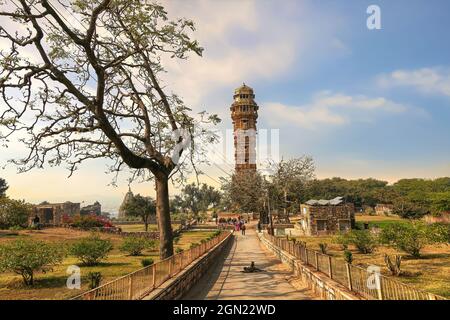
(426, 256)
(105, 264)
(39, 283)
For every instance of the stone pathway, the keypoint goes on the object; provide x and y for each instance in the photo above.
(224, 280)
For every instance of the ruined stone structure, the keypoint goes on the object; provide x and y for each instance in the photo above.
(128, 196)
(52, 213)
(325, 217)
(95, 208)
(244, 113)
(384, 209)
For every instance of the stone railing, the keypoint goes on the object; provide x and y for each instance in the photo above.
(336, 279)
(143, 282)
(177, 287)
(151, 235)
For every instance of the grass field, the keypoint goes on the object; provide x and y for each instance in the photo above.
(431, 272)
(52, 285)
(141, 227)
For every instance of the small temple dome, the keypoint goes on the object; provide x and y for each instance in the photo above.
(128, 196)
(244, 89)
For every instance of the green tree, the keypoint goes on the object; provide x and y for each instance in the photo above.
(411, 237)
(245, 191)
(143, 207)
(13, 213)
(25, 257)
(363, 240)
(91, 250)
(361, 192)
(135, 245)
(3, 187)
(440, 202)
(408, 209)
(94, 90)
(198, 198)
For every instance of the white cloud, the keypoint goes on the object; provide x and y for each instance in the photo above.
(247, 41)
(329, 108)
(427, 80)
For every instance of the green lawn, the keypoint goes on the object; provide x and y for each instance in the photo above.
(52, 285)
(141, 227)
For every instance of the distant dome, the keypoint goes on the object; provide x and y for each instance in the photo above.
(244, 89)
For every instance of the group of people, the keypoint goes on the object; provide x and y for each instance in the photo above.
(240, 226)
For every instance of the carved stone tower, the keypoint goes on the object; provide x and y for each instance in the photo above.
(128, 196)
(244, 112)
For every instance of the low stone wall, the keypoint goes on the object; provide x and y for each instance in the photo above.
(321, 285)
(176, 288)
(151, 235)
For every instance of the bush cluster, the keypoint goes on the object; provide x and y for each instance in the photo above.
(135, 245)
(91, 250)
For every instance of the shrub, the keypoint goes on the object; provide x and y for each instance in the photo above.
(95, 278)
(16, 228)
(91, 250)
(439, 232)
(176, 240)
(134, 245)
(363, 240)
(25, 257)
(85, 222)
(342, 239)
(323, 247)
(178, 250)
(13, 213)
(412, 237)
(193, 245)
(348, 256)
(147, 262)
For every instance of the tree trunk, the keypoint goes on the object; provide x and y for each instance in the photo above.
(146, 224)
(163, 214)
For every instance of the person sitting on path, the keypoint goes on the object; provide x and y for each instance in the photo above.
(252, 268)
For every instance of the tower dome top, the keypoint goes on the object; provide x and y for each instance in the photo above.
(244, 89)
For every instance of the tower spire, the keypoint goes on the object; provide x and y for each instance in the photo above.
(244, 113)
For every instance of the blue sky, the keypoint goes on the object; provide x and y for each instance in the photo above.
(363, 103)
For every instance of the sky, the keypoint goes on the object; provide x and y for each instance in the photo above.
(363, 103)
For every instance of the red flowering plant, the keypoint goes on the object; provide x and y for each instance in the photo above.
(86, 222)
(67, 219)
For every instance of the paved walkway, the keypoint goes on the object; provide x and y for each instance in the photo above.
(225, 279)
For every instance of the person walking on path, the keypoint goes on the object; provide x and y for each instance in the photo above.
(243, 229)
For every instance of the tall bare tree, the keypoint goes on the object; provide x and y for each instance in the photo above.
(244, 190)
(81, 80)
(290, 176)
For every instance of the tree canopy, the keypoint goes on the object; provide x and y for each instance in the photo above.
(90, 87)
(3, 187)
(245, 191)
(13, 213)
(143, 207)
(197, 198)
